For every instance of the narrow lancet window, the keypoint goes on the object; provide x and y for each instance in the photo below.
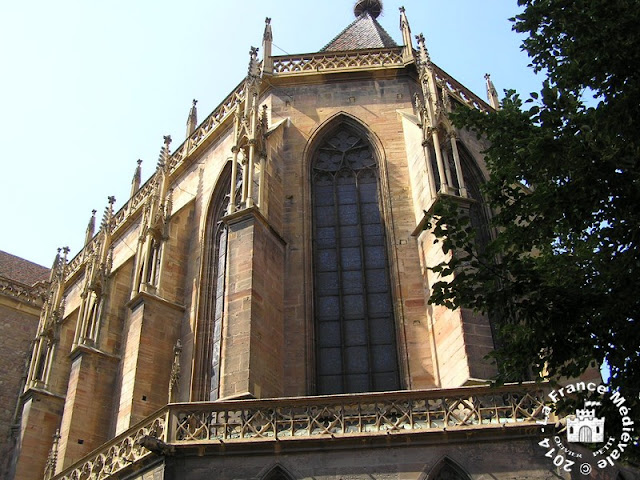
(214, 277)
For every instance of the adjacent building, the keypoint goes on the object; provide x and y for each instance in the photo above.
(22, 287)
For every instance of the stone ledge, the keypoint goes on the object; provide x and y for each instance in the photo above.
(82, 349)
(240, 215)
(142, 296)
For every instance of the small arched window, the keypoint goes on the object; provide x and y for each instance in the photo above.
(277, 473)
(354, 321)
(447, 469)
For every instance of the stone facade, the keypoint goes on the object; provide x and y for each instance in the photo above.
(200, 351)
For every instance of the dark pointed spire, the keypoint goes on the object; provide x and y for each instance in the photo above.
(373, 7)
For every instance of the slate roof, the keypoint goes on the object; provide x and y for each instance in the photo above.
(21, 270)
(364, 32)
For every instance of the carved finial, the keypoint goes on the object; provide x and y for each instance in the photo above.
(52, 460)
(164, 152)
(373, 7)
(492, 94)
(425, 59)
(90, 227)
(56, 264)
(419, 108)
(62, 261)
(407, 50)
(267, 40)
(268, 35)
(253, 62)
(169, 205)
(108, 213)
(192, 119)
(175, 370)
(264, 119)
(137, 178)
(446, 101)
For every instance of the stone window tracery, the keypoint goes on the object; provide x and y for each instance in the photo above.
(153, 263)
(354, 319)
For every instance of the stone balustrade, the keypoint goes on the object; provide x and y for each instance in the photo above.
(314, 418)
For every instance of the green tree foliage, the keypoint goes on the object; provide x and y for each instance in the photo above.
(561, 280)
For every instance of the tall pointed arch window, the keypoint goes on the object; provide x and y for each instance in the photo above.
(478, 211)
(214, 276)
(354, 321)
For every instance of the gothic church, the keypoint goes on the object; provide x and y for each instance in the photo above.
(272, 321)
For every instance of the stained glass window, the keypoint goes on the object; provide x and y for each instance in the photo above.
(355, 334)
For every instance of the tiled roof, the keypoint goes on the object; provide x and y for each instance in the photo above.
(21, 270)
(364, 32)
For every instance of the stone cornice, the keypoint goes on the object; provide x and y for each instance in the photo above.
(310, 67)
(29, 295)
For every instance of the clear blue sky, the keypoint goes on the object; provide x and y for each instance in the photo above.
(88, 87)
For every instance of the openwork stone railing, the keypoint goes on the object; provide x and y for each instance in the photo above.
(370, 414)
(457, 90)
(119, 453)
(324, 62)
(210, 124)
(207, 126)
(347, 415)
(32, 295)
(290, 65)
